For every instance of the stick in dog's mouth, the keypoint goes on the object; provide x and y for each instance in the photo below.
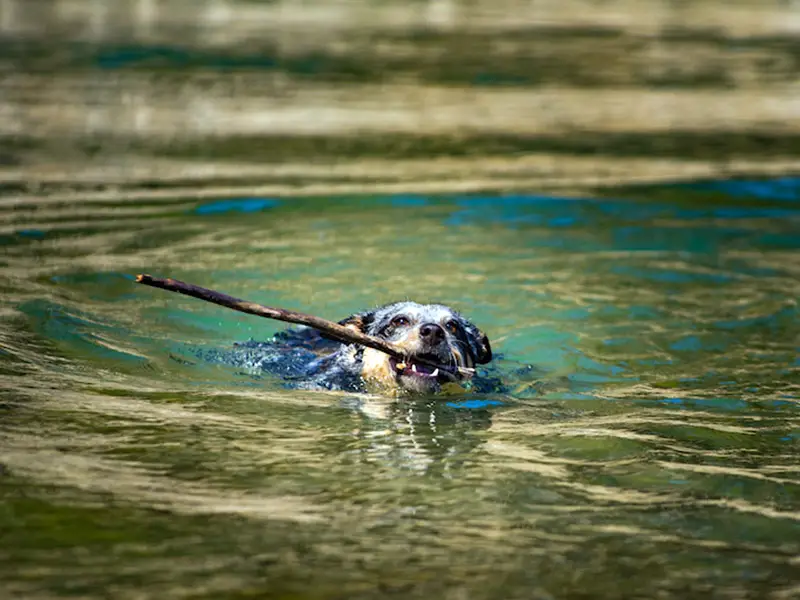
(423, 366)
(329, 328)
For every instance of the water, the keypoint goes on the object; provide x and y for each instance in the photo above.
(608, 189)
(647, 445)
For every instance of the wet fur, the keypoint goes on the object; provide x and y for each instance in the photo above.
(306, 359)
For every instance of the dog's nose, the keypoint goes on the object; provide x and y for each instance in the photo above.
(431, 332)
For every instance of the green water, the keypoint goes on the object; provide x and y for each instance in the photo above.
(647, 445)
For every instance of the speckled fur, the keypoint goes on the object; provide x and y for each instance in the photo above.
(306, 359)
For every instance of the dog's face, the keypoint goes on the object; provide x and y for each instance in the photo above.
(425, 331)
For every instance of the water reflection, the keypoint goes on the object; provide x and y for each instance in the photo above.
(330, 157)
(428, 437)
(151, 93)
(651, 442)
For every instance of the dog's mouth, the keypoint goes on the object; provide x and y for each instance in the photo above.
(412, 366)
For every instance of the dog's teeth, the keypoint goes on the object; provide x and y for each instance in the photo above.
(435, 372)
(414, 367)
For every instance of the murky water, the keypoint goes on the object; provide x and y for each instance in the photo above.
(651, 450)
(609, 190)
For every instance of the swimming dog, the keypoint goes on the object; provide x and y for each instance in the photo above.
(433, 333)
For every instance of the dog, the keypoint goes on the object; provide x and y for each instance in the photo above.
(428, 333)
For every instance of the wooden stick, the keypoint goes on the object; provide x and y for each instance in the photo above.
(338, 332)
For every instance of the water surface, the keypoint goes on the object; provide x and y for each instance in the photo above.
(646, 444)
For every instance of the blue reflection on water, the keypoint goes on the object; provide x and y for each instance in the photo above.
(475, 404)
(514, 211)
(408, 201)
(231, 205)
(31, 233)
(647, 226)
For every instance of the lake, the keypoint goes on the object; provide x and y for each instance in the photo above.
(631, 249)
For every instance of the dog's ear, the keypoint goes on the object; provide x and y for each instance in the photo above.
(358, 322)
(483, 350)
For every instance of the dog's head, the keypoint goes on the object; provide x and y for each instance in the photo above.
(432, 332)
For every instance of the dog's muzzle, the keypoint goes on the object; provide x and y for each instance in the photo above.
(412, 367)
(431, 361)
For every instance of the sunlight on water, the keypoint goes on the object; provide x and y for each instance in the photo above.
(645, 436)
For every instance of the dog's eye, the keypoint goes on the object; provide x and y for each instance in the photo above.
(400, 321)
(452, 327)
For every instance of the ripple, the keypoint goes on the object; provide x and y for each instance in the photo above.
(649, 403)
